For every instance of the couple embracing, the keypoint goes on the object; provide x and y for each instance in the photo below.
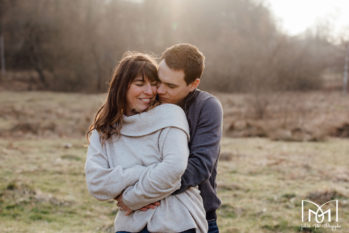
(154, 144)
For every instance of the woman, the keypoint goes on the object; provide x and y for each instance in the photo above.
(139, 149)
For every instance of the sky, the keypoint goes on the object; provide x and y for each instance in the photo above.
(296, 16)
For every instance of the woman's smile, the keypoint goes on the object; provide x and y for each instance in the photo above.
(146, 100)
(140, 95)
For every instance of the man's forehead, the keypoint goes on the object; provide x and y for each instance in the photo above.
(172, 80)
(168, 75)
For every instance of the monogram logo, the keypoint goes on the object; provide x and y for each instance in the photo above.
(321, 211)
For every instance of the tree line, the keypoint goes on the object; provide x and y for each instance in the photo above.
(74, 45)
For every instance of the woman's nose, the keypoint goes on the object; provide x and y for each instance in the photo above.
(160, 89)
(148, 89)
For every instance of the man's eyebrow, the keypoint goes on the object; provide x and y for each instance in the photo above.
(172, 84)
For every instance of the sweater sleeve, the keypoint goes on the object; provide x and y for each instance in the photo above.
(165, 177)
(204, 146)
(104, 182)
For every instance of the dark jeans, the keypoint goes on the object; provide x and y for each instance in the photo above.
(212, 226)
(146, 231)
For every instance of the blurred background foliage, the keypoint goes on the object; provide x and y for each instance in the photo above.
(73, 45)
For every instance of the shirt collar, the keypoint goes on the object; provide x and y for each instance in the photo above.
(188, 100)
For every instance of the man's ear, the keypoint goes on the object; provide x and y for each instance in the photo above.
(194, 84)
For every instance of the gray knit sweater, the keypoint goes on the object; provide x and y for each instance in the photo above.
(147, 162)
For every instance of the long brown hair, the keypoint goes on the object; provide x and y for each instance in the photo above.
(108, 119)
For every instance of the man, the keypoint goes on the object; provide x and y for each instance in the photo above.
(180, 70)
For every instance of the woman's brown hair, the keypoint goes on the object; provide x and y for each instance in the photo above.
(108, 119)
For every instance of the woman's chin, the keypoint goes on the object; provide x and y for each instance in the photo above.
(143, 109)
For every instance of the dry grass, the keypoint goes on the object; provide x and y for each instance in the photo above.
(43, 189)
(261, 182)
(46, 114)
(287, 116)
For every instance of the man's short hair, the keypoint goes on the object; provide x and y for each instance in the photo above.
(186, 57)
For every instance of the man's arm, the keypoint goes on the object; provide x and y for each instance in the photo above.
(204, 148)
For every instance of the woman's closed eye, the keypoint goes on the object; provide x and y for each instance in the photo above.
(139, 83)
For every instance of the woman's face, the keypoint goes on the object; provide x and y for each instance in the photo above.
(140, 95)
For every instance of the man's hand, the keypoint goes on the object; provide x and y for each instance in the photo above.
(128, 211)
(150, 206)
(122, 205)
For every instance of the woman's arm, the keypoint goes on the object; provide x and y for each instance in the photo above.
(104, 182)
(165, 177)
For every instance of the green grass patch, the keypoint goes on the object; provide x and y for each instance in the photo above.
(71, 157)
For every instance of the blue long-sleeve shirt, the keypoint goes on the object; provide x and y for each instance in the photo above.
(205, 116)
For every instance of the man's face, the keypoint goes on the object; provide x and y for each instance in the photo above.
(172, 88)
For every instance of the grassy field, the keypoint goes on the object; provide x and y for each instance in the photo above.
(261, 181)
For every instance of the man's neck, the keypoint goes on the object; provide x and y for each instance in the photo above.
(184, 102)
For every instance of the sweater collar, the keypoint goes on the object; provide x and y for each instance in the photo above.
(162, 116)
